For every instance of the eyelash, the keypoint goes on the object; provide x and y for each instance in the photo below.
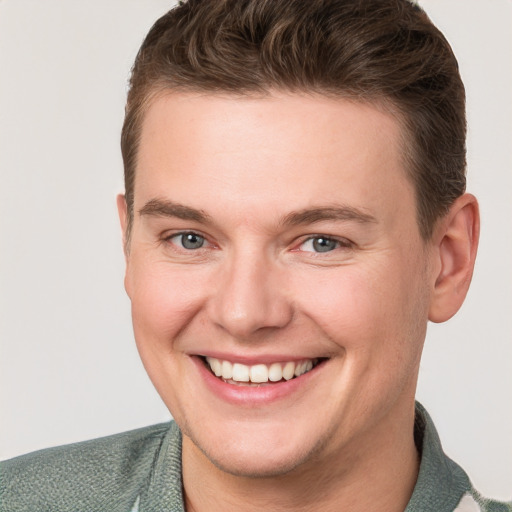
(339, 243)
(168, 239)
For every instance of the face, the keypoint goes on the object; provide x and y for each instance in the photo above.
(279, 285)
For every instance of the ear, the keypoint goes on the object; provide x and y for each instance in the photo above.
(122, 210)
(456, 242)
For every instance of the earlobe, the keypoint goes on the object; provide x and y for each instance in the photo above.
(456, 245)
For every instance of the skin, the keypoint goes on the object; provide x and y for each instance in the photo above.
(257, 291)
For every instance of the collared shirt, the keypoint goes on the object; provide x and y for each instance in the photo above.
(140, 471)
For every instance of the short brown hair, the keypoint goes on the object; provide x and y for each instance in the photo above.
(384, 51)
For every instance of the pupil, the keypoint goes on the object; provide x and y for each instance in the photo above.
(191, 241)
(324, 244)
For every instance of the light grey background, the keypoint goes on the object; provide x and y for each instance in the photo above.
(69, 369)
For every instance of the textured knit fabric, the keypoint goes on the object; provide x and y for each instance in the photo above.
(110, 474)
(140, 471)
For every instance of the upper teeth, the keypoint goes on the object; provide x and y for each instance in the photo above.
(259, 373)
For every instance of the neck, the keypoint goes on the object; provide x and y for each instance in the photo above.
(378, 473)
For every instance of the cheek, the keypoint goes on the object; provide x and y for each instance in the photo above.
(344, 302)
(163, 301)
(370, 309)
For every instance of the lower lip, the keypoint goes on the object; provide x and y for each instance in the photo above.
(253, 395)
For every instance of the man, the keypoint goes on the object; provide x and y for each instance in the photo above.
(295, 212)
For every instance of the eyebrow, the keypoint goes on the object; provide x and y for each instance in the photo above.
(342, 213)
(167, 208)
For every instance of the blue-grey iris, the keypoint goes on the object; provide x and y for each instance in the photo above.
(324, 244)
(192, 241)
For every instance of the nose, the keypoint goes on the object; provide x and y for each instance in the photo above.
(250, 297)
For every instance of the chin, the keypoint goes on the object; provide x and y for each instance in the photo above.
(254, 465)
(263, 454)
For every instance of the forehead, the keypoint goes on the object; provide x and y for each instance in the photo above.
(322, 122)
(272, 150)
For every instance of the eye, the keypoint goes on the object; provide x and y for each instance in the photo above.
(322, 244)
(189, 241)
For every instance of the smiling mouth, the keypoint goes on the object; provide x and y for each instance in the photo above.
(259, 374)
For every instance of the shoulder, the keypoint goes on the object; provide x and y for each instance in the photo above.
(442, 485)
(473, 501)
(101, 474)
